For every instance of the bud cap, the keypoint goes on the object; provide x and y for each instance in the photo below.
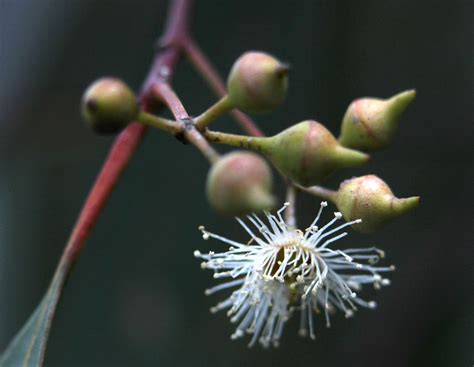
(240, 183)
(257, 82)
(370, 124)
(108, 105)
(307, 153)
(370, 199)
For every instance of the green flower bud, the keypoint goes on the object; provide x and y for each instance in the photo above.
(370, 124)
(109, 105)
(240, 183)
(307, 153)
(257, 82)
(369, 198)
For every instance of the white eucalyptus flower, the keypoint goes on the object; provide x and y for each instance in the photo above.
(282, 269)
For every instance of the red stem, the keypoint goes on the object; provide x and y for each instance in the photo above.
(123, 149)
(120, 154)
(205, 67)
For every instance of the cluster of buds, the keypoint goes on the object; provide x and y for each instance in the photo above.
(305, 153)
(282, 267)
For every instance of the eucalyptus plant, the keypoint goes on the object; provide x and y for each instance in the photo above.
(282, 269)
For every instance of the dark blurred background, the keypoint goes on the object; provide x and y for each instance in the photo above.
(136, 296)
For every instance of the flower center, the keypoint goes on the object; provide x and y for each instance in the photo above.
(292, 262)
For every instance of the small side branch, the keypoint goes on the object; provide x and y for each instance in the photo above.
(127, 143)
(212, 113)
(241, 141)
(319, 191)
(195, 137)
(159, 122)
(290, 212)
(165, 93)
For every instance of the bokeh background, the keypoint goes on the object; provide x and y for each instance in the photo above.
(136, 296)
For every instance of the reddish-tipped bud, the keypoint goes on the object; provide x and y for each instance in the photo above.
(369, 198)
(108, 105)
(257, 82)
(307, 152)
(370, 124)
(240, 183)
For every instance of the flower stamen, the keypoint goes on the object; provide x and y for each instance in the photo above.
(280, 267)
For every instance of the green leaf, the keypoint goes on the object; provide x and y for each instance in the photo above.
(28, 347)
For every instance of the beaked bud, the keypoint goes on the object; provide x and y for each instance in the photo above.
(369, 198)
(257, 82)
(307, 153)
(109, 105)
(240, 183)
(370, 124)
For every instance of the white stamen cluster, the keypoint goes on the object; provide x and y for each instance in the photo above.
(282, 269)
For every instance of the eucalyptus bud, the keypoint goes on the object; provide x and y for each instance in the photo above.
(370, 124)
(240, 183)
(307, 153)
(109, 105)
(369, 198)
(257, 82)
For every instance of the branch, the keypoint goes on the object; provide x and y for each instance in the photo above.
(126, 144)
(28, 347)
